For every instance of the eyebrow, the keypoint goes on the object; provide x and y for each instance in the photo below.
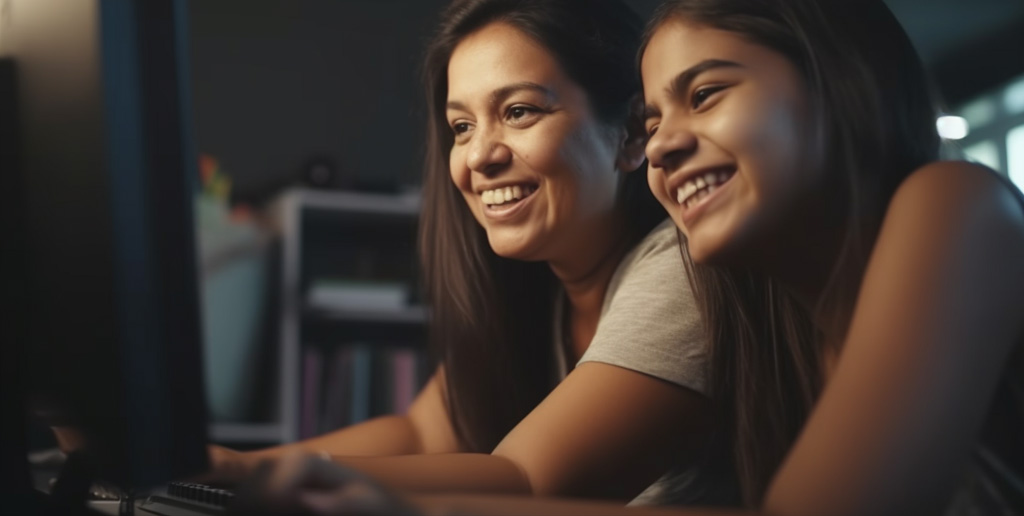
(680, 84)
(499, 95)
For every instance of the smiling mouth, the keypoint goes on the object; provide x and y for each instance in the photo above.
(699, 187)
(507, 196)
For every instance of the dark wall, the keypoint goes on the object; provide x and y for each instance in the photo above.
(276, 83)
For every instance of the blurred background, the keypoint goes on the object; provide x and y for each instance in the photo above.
(278, 85)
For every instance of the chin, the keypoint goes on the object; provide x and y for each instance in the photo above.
(512, 248)
(710, 250)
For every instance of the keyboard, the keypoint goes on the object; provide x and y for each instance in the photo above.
(181, 497)
(176, 499)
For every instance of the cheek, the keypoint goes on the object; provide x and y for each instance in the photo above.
(656, 182)
(457, 169)
(587, 155)
(768, 144)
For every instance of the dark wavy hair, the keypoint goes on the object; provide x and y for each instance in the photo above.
(491, 317)
(875, 113)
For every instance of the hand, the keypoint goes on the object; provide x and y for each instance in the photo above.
(301, 484)
(227, 466)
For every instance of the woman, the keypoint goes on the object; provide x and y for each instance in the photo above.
(794, 145)
(531, 229)
(862, 298)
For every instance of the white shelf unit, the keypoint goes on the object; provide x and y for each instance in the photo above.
(294, 210)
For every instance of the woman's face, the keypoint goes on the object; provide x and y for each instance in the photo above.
(535, 166)
(728, 126)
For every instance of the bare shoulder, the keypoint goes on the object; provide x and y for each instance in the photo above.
(958, 188)
(952, 205)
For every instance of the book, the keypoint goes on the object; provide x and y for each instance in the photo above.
(312, 370)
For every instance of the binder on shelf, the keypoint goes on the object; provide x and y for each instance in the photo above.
(337, 398)
(312, 370)
(361, 382)
(404, 379)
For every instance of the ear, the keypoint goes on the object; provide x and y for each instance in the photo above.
(634, 138)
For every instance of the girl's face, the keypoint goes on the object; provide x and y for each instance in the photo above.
(728, 125)
(535, 166)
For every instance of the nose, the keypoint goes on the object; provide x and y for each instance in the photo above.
(670, 146)
(488, 154)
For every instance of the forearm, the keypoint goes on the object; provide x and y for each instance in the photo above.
(451, 472)
(482, 505)
(382, 436)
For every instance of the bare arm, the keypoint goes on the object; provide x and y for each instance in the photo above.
(424, 429)
(604, 432)
(302, 484)
(477, 505)
(936, 318)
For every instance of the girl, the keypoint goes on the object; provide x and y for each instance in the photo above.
(863, 300)
(877, 355)
(564, 370)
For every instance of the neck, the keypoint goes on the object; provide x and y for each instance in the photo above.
(803, 257)
(585, 275)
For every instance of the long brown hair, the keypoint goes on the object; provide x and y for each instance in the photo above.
(875, 113)
(492, 317)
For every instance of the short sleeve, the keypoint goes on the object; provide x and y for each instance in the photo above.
(649, 320)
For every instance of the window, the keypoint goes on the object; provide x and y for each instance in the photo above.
(996, 130)
(1015, 155)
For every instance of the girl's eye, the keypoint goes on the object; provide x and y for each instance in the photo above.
(702, 95)
(460, 128)
(653, 129)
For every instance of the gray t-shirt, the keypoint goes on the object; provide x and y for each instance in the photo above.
(650, 324)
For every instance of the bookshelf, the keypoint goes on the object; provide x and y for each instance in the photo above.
(351, 324)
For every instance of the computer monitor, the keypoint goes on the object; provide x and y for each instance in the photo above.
(100, 297)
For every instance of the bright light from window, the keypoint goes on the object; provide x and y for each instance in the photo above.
(1013, 97)
(951, 127)
(980, 112)
(1015, 155)
(986, 153)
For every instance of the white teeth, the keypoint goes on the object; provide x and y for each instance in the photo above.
(499, 196)
(699, 187)
(689, 189)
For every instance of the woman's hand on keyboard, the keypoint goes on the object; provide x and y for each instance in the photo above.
(227, 466)
(301, 483)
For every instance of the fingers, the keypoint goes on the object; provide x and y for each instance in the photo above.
(305, 484)
(275, 485)
(227, 467)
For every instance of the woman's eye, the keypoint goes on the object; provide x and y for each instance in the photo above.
(520, 114)
(460, 127)
(651, 130)
(702, 95)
